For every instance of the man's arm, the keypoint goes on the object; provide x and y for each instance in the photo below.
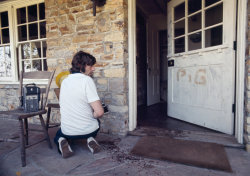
(98, 109)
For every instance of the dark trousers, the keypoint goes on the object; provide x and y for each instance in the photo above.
(69, 137)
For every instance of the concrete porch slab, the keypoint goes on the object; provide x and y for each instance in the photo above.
(113, 160)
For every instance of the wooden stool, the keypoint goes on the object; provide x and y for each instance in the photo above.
(52, 105)
(48, 124)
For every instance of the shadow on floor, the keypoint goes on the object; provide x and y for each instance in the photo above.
(153, 120)
(156, 116)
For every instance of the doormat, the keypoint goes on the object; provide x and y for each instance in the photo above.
(194, 153)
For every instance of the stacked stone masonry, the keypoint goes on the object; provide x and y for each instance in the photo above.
(71, 27)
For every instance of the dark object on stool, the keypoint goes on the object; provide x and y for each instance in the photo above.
(22, 116)
(31, 97)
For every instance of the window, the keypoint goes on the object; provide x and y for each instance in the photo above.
(22, 38)
(197, 24)
(5, 55)
(31, 27)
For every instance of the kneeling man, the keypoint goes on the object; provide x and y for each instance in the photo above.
(80, 106)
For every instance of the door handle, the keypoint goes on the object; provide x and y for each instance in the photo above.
(170, 63)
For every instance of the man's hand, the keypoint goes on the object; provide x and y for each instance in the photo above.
(98, 109)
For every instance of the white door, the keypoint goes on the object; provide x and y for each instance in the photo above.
(201, 59)
(153, 70)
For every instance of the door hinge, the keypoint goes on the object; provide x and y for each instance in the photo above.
(235, 45)
(233, 108)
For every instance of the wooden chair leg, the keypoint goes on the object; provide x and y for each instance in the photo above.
(22, 143)
(48, 118)
(45, 131)
(26, 127)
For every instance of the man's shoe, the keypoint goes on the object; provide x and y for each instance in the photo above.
(93, 146)
(64, 148)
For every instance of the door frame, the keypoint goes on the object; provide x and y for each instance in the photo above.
(132, 74)
(240, 67)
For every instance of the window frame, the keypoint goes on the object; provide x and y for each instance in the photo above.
(11, 44)
(11, 7)
(186, 34)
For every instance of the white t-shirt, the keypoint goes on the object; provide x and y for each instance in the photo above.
(77, 91)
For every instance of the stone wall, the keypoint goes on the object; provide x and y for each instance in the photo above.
(247, 97)
(8, 97)
(71, 27)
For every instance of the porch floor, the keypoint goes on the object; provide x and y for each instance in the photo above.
(156, 116)
(115, 158)
(154, 120)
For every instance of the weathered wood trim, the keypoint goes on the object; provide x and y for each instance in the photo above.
(240, 69)
(132, 64)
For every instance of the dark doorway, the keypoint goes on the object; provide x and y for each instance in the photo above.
(163, 44)
(141, 58)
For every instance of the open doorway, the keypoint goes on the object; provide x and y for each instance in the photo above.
(152, 67)
(134, 119)
(151, 61)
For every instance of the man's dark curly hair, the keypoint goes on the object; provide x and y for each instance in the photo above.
(80, 60)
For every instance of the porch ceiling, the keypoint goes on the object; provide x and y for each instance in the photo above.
(153, 7)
